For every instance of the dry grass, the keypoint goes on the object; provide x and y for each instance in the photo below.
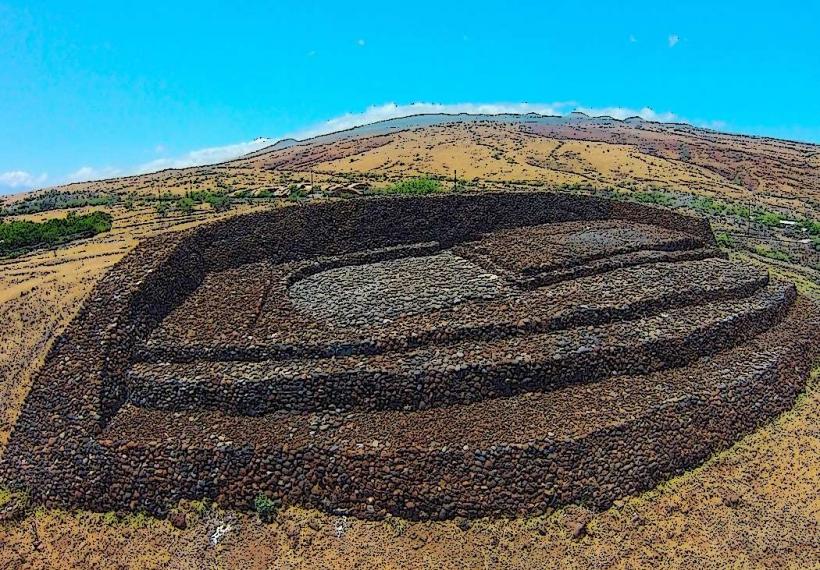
(41, 292)
(805, 279)
(770, 173)
(488, 153)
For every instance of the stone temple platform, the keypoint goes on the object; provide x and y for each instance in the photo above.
(456, 355)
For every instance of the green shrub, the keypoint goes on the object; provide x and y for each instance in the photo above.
(296, 193)
(771, 219)
(739, 210)
(55, 200)
(709, 205)
(185, 205)
(712, 206)
(14, 504)
(198, 196)
(202, 506)
(162, 209)
(20, 236)
(654, 197)
(811, 226)
(219, 202)
(766, 251)
(725, 240)
(398, 525)
(265, 508)
(422, 185)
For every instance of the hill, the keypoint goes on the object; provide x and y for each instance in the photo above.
(486, 150)
(761, 194)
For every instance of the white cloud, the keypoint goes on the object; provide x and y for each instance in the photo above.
(212, 155)
(716, 125)
(393, 111)
(632, 39)
(21, 179)
(622, 113)
(360, 43)
(86, 173)
(208, 155)
(673, 40)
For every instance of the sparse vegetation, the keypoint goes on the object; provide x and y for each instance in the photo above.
(7, 497)
(55, 200)
(162, 208)
(219, 202)
(654, 197)
(398, 525)
(200, 507)
(725, 240)
(771, 219)
(109, 518)
(19, 236)
(295, 193)
(185, 205)
(421, 185)
(712, 206)
(684, 152)
(265, 508)
(812, 227)
(776, 254)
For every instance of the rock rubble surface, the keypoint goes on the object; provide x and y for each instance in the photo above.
(446, 356)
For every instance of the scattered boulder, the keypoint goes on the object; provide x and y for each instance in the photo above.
(178, 520)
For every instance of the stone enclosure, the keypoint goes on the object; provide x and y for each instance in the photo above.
(426, 357)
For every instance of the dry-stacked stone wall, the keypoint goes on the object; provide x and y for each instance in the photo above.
(452, 355)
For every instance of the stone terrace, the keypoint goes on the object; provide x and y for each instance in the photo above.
(425, 357)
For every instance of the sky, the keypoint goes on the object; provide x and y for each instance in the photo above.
(99, 89)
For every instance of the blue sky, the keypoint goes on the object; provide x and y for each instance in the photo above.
(90, 89)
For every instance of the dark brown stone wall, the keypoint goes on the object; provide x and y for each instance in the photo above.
(73, 444)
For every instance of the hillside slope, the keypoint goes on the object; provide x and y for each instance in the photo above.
(483, 151)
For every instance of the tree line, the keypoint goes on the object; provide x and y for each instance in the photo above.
(19, 236)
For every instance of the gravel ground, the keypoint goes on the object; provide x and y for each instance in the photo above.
(381, 292)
